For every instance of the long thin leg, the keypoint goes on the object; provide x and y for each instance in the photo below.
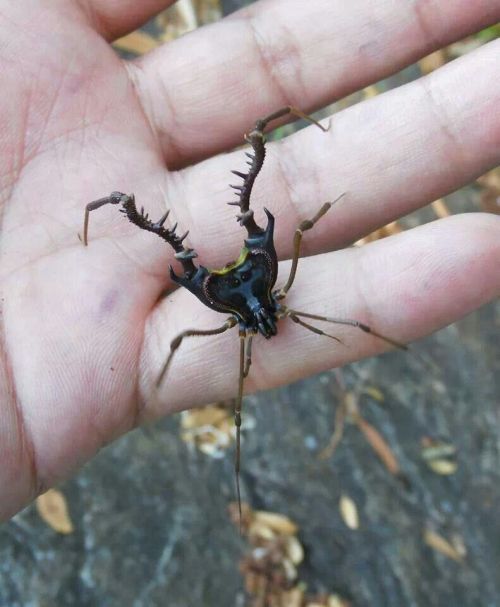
(307, 224)
(237, 420)
(115, 198)
(351, 323)
(245, 363)
(176, 342)
(306, 325)
(288, 109)
(248, 356)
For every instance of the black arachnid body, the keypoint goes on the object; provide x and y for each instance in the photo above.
(244, 288)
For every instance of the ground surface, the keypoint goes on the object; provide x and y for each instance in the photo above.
(150, 515)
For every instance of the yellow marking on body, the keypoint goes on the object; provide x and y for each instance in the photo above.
(233, 264)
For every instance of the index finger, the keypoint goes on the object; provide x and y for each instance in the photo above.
(203, 90)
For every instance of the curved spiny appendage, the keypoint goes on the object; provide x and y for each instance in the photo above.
(257, 140)
(140, 219)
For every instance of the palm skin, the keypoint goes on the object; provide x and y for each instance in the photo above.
(83, 332)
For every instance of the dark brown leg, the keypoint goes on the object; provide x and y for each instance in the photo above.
(176, 342)
(291, 314)
(351, 323)
(261, 124)
(307, 224)
(114, 198)
(237, 420)
(248, 356)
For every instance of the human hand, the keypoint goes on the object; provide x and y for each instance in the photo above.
(83, 337)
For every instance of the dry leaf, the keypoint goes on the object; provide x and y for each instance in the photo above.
(294, 550)
(458, 543)
(444, 467)
(490, 179)
(349, 512)
(277, 522)
(211, 428)
(334, 600)
(437, 455)
(53, 509)
(289, 569)
(260, 530)
(434, 449)
(269, 567)
(187, 12)
(137, 42)
(211, 415)
(177, 20)
(440, 208)
(379, 445)
(370, 91)
(490, 191)
(350, 402)
(388, 230)
(442, 545)
(432, 62)
(208, 11)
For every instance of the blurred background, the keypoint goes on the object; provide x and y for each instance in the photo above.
(378, 485)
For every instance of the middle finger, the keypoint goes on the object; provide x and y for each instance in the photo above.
(390, 155)
(201, 91)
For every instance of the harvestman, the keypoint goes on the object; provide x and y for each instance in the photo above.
(243, 288)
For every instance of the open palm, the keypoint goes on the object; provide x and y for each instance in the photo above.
(83, 336)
